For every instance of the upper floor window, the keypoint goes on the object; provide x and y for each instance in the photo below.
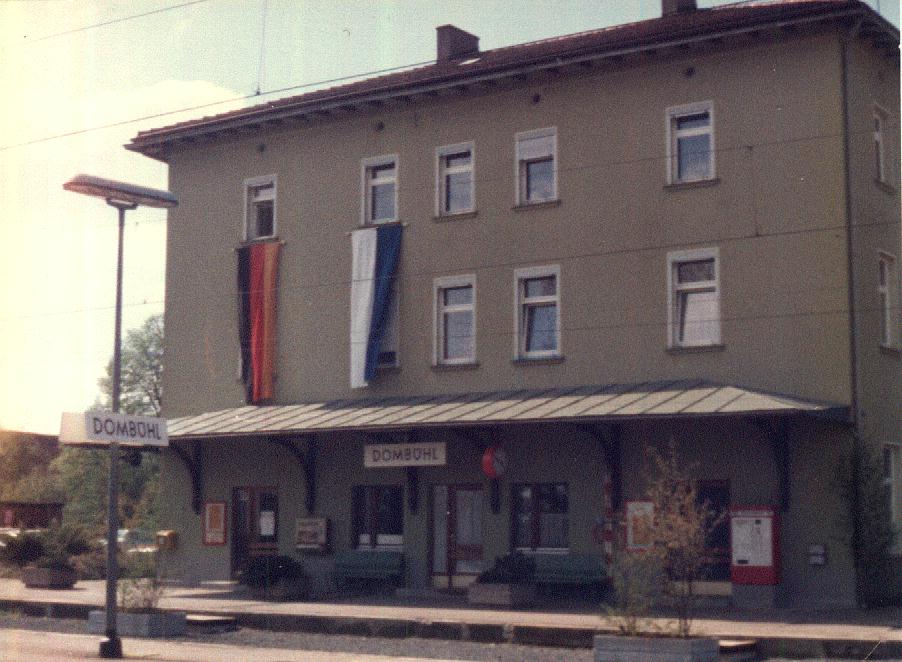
(889, 298)
(538, 323)
(880, 170)
(455, 320)
(260, 207)
(536, 166)
(693, 298)
(455, 179)
(380, 189)
(690, 142)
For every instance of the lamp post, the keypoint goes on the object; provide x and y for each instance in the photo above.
(123, 197)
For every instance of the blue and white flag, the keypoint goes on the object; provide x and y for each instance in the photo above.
(375, 261)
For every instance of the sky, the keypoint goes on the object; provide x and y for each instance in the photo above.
(82, 77)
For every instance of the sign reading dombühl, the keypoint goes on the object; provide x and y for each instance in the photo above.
(430, 454)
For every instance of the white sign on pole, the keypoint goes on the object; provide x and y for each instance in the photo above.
(100, 428)
(404, 455)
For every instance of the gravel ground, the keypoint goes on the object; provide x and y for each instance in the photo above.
(429, 648)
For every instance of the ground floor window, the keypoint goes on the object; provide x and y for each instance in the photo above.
(716, 494)
(541, 516)
(378, 516)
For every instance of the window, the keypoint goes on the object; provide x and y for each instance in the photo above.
(260, 208)
(690, 143)
(378, 516)
(886, 290)
(880, 146)
(455, 179)
(538, 317)
(693, 298)
(388, 349)
(455, 320)
(892, 483)
(536, 166)
(380, 189)
(541, 516)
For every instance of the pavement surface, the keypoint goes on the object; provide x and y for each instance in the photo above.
(835, 633)
(30, 646)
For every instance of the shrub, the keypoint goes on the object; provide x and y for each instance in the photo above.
(636, 579)
(91, 564)
(22, 550)
(142, 582)
(264, 571)
(515, 568)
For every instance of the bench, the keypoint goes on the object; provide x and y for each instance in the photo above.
(569, 569)
(380, 565)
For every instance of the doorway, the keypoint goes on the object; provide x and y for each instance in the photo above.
(255, 528)
(457, 549)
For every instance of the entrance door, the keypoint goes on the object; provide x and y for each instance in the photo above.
(456, 535)
(255, 516)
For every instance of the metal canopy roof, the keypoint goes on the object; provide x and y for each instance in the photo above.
(612, 402)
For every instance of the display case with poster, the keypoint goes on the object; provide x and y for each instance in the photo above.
(755, 545)
(640, 522)
(214, 519)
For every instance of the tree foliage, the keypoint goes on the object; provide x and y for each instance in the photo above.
(141, 371)
(24, 461)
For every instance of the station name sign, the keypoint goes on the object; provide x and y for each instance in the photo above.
(101, 428)
(376, 456)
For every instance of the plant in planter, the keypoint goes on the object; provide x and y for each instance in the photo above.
(509, 582)
(276, 578)
(44, 558)
(141, 586)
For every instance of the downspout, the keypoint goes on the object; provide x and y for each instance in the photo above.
(855, 505)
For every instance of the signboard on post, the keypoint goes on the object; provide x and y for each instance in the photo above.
(101, 428)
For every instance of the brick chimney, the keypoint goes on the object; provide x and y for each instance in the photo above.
(669, 7)
(455, 44)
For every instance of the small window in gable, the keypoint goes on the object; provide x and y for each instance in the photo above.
(380, 189)
(536, 166)
(260, 207)
(455, 194)
(690, 143)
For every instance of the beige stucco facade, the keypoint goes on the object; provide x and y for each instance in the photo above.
(777, 213)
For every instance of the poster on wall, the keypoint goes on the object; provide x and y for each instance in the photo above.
(214, 523)
(640, 522)
(267, 523)
(312, 533)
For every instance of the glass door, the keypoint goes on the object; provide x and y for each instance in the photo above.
(457, 549)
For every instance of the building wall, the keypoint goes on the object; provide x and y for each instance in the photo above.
(773, 214)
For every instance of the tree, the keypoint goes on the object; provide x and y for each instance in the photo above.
(24, 462)
(142, 370)
(82, 474)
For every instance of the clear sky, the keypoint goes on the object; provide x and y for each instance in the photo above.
(147, 59)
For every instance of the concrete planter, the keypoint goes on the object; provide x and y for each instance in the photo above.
(505, 595)
(49, 577)
(151, 624)
(618, 648)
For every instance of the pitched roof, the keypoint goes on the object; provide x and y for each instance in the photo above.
(670, 30)
(585, 404)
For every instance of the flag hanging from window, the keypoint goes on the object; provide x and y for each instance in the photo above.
(258, 271)
(375, 261)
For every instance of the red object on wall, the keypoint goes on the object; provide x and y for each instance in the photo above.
(494, 462)
(754, 545)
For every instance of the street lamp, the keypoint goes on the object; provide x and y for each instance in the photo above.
(123, 197)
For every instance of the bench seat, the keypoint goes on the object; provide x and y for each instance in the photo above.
(369, 564)
(569, 569)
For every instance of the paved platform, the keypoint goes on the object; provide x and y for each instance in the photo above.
(829, 633)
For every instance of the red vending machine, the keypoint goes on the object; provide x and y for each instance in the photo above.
(755, 545)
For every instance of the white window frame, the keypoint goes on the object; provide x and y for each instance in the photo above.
(442, 170)
(673, 259)
(366, 198)
(254, 183)
(671, 115)
(888, 296)
(521, 160)
(520, 276)
(894, 482)
(881, 162)
(438, 323)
